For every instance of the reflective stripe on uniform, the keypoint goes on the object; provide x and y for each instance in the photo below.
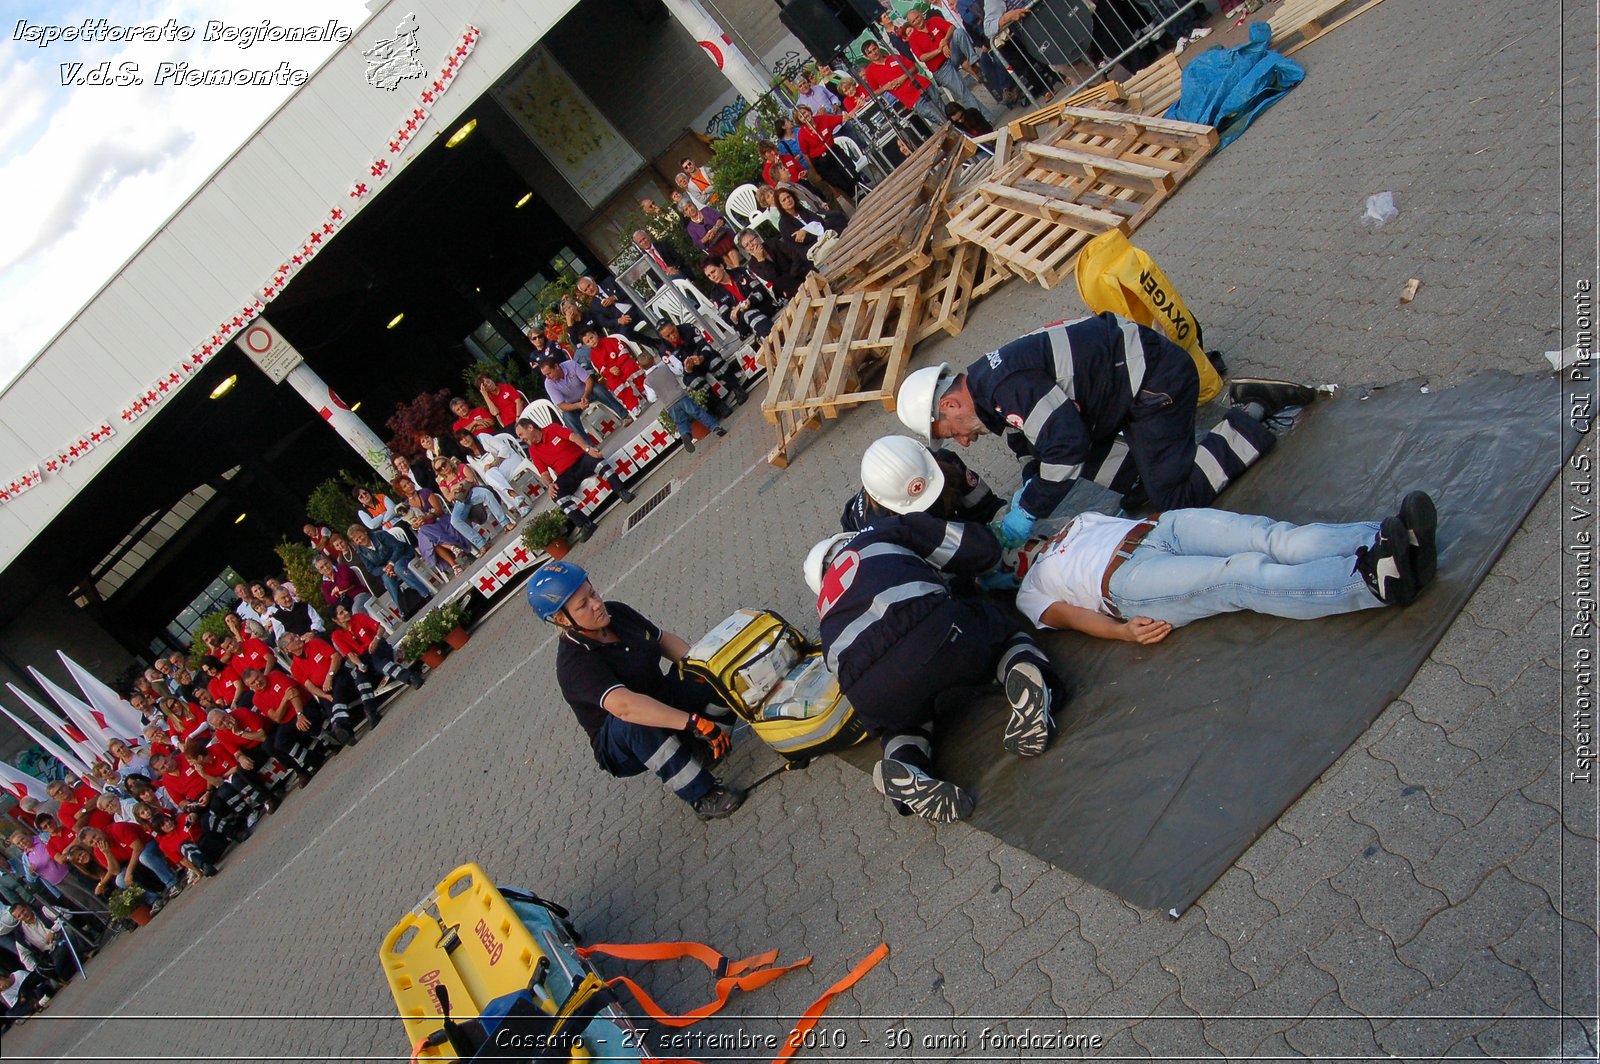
(1058, 474)
(1106, 473)
(899, 742)
(1048, 404)
(875, 613)
(685, 776)
(947, 549)
(1207, 463)
(1133, 350)
(663, 754)
(1061, 352)
(1242, 448)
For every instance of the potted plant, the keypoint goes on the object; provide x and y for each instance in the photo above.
(422, 639)
(547, 533)
(128, 904)
(451, 615)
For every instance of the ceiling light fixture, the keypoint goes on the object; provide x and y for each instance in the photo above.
(461, 134)
(395, 321)
(225, 387)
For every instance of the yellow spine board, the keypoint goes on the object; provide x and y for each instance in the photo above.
(497, 955)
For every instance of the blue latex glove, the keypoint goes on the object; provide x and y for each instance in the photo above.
(999, 580)
(1016, 496)
(1016, 526)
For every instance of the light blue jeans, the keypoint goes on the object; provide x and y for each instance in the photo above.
(461, 508)
(686, 410)
(1202, 562)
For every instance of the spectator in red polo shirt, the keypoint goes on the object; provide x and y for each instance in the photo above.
(320, 671)
(563, 463)
(235, 786)
(931, 40)
(778, 168)
(120, 849)
(360, 639)
(294, 719)
(474, 419)
(76, 800)
(503, 398)
(893, 75)
(183, 843)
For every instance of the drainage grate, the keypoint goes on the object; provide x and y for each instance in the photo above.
(648, 508)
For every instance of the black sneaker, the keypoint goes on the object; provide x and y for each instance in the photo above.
(688, 444)
(1421, 519)
(1271, 396)
(932, 799)
(1028, 730)
(1386, 565)
(580, 533)
(719, 802)
(342, 734)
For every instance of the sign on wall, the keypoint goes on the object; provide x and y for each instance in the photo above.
(567, 127)
(269, 350)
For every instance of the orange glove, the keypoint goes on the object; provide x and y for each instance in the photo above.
(706, 731)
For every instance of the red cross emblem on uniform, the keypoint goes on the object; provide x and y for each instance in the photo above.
(836, 580)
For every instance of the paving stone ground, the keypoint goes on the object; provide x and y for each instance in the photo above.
(1432, 894)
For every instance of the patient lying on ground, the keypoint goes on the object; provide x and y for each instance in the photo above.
(1137, 580)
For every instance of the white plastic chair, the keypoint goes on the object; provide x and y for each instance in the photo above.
(542, 412)
(742, 207)
(682, 301)
(863, 166)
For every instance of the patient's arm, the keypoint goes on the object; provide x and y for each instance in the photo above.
(1134, 630)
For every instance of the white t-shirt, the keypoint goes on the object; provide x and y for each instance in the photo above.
(1073, 569)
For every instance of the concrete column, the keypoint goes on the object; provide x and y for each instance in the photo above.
(314, 390)
(751, 81)
(275, 356)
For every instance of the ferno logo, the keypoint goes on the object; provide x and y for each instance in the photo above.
(491, 945)
(430, 980)
(1168, 306)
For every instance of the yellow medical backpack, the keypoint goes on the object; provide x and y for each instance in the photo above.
(776, 679)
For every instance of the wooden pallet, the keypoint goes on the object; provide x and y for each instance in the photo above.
(886, 243)
(1099, 96)
(950, 287)
(1299, 22)
(1155, 88)
(823, 348)
(1085, 172)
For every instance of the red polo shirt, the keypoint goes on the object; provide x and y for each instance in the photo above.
(358, 639)
(315, 661)
(273, 697)
(233, 742)
(556, 452)
(886, 70)
(930, 38)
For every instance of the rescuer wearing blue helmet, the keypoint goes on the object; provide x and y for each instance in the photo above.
(637, 717)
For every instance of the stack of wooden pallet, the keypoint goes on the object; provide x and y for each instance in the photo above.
(1066, 174)
(894, 277)
(826, 345)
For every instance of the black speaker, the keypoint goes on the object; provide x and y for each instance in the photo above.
(818, 27)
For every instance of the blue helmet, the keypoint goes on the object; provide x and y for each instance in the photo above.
(553, 585)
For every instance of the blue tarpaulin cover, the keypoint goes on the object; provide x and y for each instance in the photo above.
(1228, 87)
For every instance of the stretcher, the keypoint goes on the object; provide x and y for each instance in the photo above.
(508, 964)
(485, 973)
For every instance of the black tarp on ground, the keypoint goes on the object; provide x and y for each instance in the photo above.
(1180, 754)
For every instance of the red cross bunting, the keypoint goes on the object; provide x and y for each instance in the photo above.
(358, 191)
(520, 556)
(428, 96)
(380, 167)
(607, 427)
(51, 466)
(270, 291)
(77, 449)
(197, 359)
(127, 415)
(504, 569)
(591, 496)
(163, 386)
(316, 236)
(394, 146)
(623, 467)
(640, 453)
(659, 438)
(486, 584)
(750, 363)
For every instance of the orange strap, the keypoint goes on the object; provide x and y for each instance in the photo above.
(809, 1018)
(752, 973)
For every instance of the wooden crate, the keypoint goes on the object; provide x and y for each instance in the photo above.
(1073, 175)
(1155, 88)
(823, 348)
(886, 243)
(950, 287)
(1299, 22)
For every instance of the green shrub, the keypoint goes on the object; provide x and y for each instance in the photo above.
(735, 161)
(215, 622)
(333, 503)
(544, 530)
(297, 566)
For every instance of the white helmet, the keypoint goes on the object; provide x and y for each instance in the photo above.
(817, 561)
(901, 474)
(919, 397)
